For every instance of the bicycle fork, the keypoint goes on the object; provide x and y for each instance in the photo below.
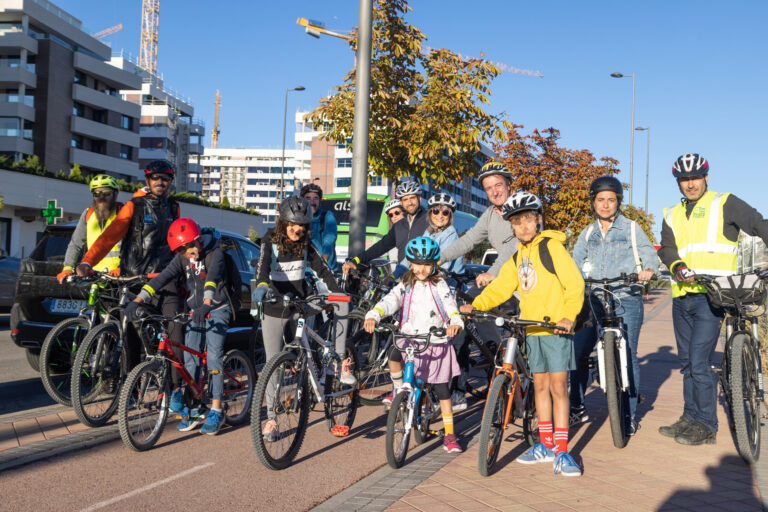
(621, 346)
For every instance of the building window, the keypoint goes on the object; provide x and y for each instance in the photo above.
(111, 91)
(126, 123)
(29, 128)
(343, 182)
(98, 146)
(344, 163)
(126, 152)
(100, 116)
(79, 77)
(153, 142)
(5, 235)
(31, 63)
(375, 181)
(9, 126)
(77, 141)
(78, 110)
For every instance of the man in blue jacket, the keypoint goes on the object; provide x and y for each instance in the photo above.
(323, 227)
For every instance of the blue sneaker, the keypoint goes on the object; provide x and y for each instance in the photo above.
(565, 465)
(213, 423)
(537, 453)
(177, 400)
(190, 420)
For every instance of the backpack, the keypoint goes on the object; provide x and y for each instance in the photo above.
(233, 283)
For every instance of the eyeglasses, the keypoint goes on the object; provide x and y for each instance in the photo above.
(395, 214)
(102, 194)
(438, 211)
(163, 177)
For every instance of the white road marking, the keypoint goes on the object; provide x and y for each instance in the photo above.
(106, 503)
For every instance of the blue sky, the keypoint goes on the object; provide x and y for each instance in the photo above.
(701, 72)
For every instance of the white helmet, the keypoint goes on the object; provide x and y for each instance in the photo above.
(444, 199)
(407, 188)
(394, 203)
(520, 202)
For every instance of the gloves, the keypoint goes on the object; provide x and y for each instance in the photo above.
(258, 295)
(115, 272)
(130, 311)
(61, 276)
(682, 273)
(200, 313)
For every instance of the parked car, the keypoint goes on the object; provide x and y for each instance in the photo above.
(9, 272)
(40, 301)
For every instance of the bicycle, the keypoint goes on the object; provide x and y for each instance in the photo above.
(740, 372)
(613, 356)
(297, 378)
(145, 396)
(510, 394)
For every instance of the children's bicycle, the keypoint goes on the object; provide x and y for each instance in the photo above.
(416, 406)
(295, 379)
(510, 394)
(145, 395)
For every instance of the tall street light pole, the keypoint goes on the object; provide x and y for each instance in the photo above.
(282, 159)
(646, 129)
(632, 132)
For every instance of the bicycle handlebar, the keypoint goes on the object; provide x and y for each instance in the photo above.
(624, 278)
(510, 320)
(417, 338)
(708, 278)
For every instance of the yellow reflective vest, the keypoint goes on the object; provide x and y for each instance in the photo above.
(700, 241)
(112, 260)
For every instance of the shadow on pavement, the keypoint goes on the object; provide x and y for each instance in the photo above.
(655, 369)
(22, 395)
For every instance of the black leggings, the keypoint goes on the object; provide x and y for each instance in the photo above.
(443, 390)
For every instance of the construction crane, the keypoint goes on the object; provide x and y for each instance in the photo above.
(150, 14)
(215, 133)
(108, 31)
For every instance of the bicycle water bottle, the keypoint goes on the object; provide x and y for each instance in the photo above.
(510, 351)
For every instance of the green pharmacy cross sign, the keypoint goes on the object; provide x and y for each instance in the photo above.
(52, 212)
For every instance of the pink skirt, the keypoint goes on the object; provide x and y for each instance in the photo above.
(436, 365)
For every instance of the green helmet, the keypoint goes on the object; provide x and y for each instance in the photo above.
(103, 181)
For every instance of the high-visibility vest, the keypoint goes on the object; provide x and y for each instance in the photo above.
(700, 240)
(112, 260)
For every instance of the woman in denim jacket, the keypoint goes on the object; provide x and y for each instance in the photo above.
(605, 250)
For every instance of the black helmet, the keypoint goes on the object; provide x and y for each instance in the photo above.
(306, 189)
(690, 165)
(158, 167)
(296, 210)
(606, 183)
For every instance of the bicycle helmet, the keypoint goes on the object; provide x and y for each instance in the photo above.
(520, 202)
(296, 210)
(422, 249)
(158, 167)
(394, 203)
(690, 165)
(494, 168)
(306, 189)
(407, 188)
(606, 183)
(182, 231)
(444, 199)
(103, 181)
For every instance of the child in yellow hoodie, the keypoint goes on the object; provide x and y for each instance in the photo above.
(550, 285)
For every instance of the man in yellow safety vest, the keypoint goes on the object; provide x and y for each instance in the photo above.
(700, 235)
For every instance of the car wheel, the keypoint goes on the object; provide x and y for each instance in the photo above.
(33, 358)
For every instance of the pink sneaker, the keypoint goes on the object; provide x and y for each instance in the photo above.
(387, 400)
(450, 444)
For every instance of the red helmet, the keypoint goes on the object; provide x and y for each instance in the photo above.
(159, 167)
(182, 231)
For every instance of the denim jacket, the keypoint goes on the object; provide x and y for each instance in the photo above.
(609, 255)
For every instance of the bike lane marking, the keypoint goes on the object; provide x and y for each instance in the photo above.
(151, 486)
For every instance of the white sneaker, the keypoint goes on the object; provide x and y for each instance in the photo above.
(346, 376)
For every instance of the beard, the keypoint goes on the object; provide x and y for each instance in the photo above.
(103, 209)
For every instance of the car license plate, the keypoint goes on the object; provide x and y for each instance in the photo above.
(67, 306)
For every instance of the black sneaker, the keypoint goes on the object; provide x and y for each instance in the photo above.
(633, 428)
(577, 417)
(676, 428)
(458, 401)
(698, 433)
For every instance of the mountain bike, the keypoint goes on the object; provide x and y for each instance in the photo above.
(510, 394)
(740, 372)
(294, 380)
(145, 395)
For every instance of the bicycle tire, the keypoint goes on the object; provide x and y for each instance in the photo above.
(97, 377)
(295, 409)
(375, 379)
(57, 356)
(616, 398)
(745, 404)
(530, 417)
(143, 405)
(421, 429)
(239, 379)
(492, 426)
(335, 407)
(398, 433)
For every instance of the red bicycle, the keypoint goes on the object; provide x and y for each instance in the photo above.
(145, 396)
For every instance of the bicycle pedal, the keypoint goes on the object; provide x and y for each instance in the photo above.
(340, 430)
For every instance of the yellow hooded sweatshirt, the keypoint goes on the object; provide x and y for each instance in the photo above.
(541, 292)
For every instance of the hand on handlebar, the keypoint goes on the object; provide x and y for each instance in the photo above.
(466, 308)
(564, 326)
(61, 276)
(684, 274)
(84, 269)
(369, 325)
(483, 279)
(348, 266)
(645, 275)
(200, 313)
(130, 311)
(452, 330)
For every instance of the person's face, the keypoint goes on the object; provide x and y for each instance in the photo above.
(497, 189)
(606, 204)
(103, 195)
(295, 231)
(158, 184)
(395, 214)
(422, 270)
(314, 201)
(192, 250)
(410, 203)
(693, 188)
(441, 216)
(525, 225)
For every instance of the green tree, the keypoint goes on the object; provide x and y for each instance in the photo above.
(32, 165)
(76, 174)
(424, 105)
(225, 202)
(643, 219)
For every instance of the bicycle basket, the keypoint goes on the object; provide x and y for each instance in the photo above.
(736, 291)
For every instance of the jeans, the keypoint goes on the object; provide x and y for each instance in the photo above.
(697, 328)
(210, 333)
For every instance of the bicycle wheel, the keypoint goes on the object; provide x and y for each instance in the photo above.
(239, 379)
(285, 378)
(492, 426)
(97, 373)
(56, 357)
(398, 431)
(530, 418)
(143, 408)
(375, 379)
(618, 402)
(341, 406)
(745, 406)
(429, 407)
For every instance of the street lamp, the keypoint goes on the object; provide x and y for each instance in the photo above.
(632, 133)
(282, 160)
(647, 159)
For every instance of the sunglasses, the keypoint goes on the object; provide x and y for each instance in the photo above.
(102, 195)
(160, 177)
(395, 214)
(438, 211)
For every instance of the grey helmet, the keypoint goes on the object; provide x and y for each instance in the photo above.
(444, 199)
(407, 188)
(394, 203)
(295, 209)
(520, 202)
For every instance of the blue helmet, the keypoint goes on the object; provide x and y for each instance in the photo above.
(422, 250)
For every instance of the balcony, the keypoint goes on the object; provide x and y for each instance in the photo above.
(105, 72)
(195, 149)
(17, 145)
(18, 40)
(104, 162)
(15, 76)
(12, 109)
(96, 130)
(101, 100)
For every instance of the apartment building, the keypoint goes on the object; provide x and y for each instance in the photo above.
(59, 96)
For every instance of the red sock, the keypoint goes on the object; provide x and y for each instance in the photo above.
(561, 440)
(545, 434)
